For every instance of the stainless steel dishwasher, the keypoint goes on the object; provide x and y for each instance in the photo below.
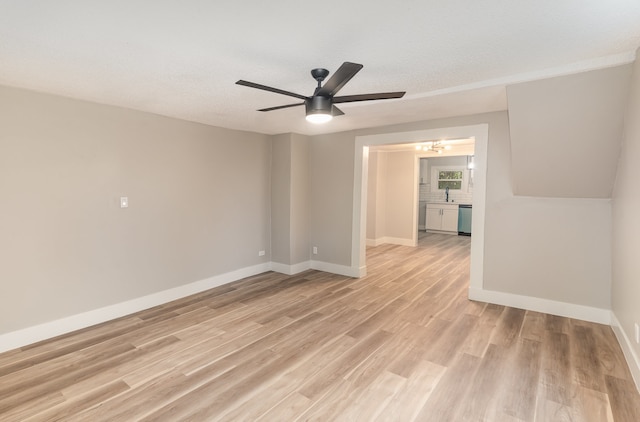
(464, 219)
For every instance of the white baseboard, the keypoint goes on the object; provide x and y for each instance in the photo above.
(30, 335)
(442, 232)
(320, 266)
(570, 310)
(290, 269)
(399, 241)
(625, 343)
(336, 269)
(374, 242)
(391, 240)
(65, 325)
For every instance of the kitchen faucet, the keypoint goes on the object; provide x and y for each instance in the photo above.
(446, 194)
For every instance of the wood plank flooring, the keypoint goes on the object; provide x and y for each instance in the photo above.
(401, 344)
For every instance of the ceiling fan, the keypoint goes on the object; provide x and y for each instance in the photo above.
(320, 107)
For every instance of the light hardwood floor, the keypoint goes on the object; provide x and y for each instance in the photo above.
(401, 344)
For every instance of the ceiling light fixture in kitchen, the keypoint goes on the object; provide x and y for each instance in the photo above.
(436, 146)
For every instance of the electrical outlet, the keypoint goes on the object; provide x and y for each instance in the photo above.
(260, 253)
(124, 202)
(315, 250)
(637, 333)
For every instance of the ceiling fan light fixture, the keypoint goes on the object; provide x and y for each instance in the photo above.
(319, 117)
(319, 110)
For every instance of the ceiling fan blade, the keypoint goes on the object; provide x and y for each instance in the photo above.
(368, 97)
(341, 76)
(335, 111)
(270, 89)
(279, 107)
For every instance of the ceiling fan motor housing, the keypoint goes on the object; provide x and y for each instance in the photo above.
(318, 104)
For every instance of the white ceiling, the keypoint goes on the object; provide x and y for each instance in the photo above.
(182, 58)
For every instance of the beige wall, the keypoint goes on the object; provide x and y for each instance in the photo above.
(392, 202)
(281, 199)
(401, 191)
(290, 199)
(573, 125)
(564, 244)
(300, 249)
(201, 204)
(331, 176)
(198, 205)
(549, 248)
(626, 224)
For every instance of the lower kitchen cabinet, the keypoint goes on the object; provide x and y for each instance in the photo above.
(442, 217)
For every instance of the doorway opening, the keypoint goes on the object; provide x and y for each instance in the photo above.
(479, 133)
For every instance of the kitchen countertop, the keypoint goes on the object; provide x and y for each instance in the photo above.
(450, 202)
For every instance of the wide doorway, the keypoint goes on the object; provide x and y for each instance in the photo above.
(359, 228)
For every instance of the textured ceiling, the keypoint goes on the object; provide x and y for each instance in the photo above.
(182, 58)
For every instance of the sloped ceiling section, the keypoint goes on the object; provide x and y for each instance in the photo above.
(566, 133)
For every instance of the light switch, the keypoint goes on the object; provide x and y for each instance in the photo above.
(124, 202)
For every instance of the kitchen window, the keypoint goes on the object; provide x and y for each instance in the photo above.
(451, 179)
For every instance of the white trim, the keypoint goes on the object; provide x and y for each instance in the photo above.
(564, 309)
(345, 270)
(416, 201)
(478, 198)
(441, 232)
(627, 349)
(375, 242)
(479, 132)
(71, 323)
(391, 240)
(400, 241)
(290, 269)
(359, 217)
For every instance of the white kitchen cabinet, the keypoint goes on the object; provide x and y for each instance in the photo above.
(434, 218)
(442, 217)
(450, 219)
